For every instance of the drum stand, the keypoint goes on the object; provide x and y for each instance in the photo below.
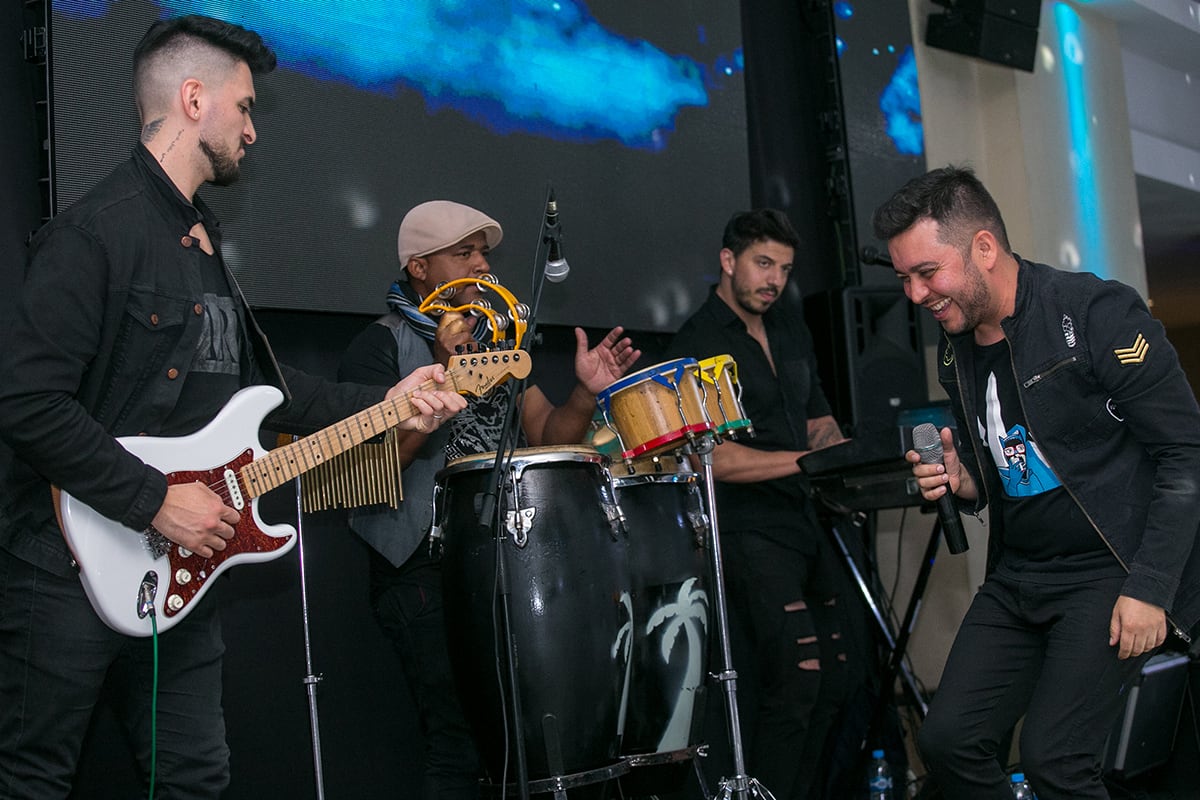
(740, 785)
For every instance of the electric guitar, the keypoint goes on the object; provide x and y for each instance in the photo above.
(123, 570)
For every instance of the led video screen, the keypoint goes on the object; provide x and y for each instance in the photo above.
(633, 113)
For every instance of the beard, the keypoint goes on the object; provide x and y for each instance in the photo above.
(749, 301)
(975, 301)
(225, 167)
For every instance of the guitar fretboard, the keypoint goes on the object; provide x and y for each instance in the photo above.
(286, 463)
(473, 374)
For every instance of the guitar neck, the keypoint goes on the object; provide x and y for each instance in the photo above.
(471, 374)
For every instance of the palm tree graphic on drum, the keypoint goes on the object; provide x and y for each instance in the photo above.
(689, 613)
(624, 644)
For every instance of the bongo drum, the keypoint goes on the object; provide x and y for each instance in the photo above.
(723, 396)
(657, 409)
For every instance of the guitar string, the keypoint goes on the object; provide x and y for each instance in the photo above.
(221, 487)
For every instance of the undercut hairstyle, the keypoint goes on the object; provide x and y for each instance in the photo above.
(953, 198)
(193, 46)
(747, 227)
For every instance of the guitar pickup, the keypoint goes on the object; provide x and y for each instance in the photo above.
(235, 491)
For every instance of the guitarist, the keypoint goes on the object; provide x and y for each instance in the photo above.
(130, 322)
(442, 241)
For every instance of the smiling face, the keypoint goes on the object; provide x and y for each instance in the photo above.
(937, 275)
(752, 280)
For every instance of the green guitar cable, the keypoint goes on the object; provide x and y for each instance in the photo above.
(153, 704)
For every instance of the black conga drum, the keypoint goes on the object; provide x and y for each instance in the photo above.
(662, 511)
(565, 555)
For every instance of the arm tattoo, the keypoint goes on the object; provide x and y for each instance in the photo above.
(824, 434)
(151, 129)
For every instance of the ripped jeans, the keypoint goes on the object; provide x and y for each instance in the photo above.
(783, 592)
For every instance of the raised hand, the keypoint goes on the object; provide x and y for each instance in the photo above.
(601, 365)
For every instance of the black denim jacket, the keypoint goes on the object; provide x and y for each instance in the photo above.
(107, 321)
(1112, 412)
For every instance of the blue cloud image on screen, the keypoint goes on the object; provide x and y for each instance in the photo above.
(543, 67)
(900, 103)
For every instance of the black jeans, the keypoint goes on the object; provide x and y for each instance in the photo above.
(56, 656)
(1039, 650)
(784, 591)
(408, 606)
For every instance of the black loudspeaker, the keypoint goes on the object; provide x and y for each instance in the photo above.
(1001, 31)
(869, 344)
(1144, 735)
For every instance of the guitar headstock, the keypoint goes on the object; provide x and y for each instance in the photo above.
(479, 373)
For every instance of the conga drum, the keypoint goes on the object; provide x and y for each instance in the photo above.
(663, 513)
(567, 567)
(657, 409)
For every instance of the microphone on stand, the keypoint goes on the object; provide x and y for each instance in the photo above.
(873, 255)
(556, 266)
(928, 444)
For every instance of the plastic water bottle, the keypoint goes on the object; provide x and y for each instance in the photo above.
(1020, 787)
(879, 778)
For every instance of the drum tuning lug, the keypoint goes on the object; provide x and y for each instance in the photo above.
(615, 517)
(699, 522)
(518, 523)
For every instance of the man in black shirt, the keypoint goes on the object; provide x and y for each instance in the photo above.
(129, 323)
(781, 576)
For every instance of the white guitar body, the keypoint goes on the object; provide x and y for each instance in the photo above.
(114, 560)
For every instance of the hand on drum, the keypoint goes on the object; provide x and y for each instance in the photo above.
(598, 367)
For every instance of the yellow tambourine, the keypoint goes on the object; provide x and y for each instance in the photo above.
(518, 313)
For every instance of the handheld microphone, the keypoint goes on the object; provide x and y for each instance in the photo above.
(928, 444)
(556, 266)
(873, 255)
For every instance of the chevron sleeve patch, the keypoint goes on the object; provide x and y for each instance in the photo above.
(1135, 353)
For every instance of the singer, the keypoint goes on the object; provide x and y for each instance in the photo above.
(441, 241)
(1081, 436)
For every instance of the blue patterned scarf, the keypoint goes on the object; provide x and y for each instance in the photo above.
(398, 300)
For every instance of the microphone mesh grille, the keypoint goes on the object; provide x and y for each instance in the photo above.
(928, 443)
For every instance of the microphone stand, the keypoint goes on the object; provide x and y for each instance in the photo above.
(489, 523)
(311, 679)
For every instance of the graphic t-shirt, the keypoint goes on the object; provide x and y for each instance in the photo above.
(215, 372)
(477, 429)
(1045, 531)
